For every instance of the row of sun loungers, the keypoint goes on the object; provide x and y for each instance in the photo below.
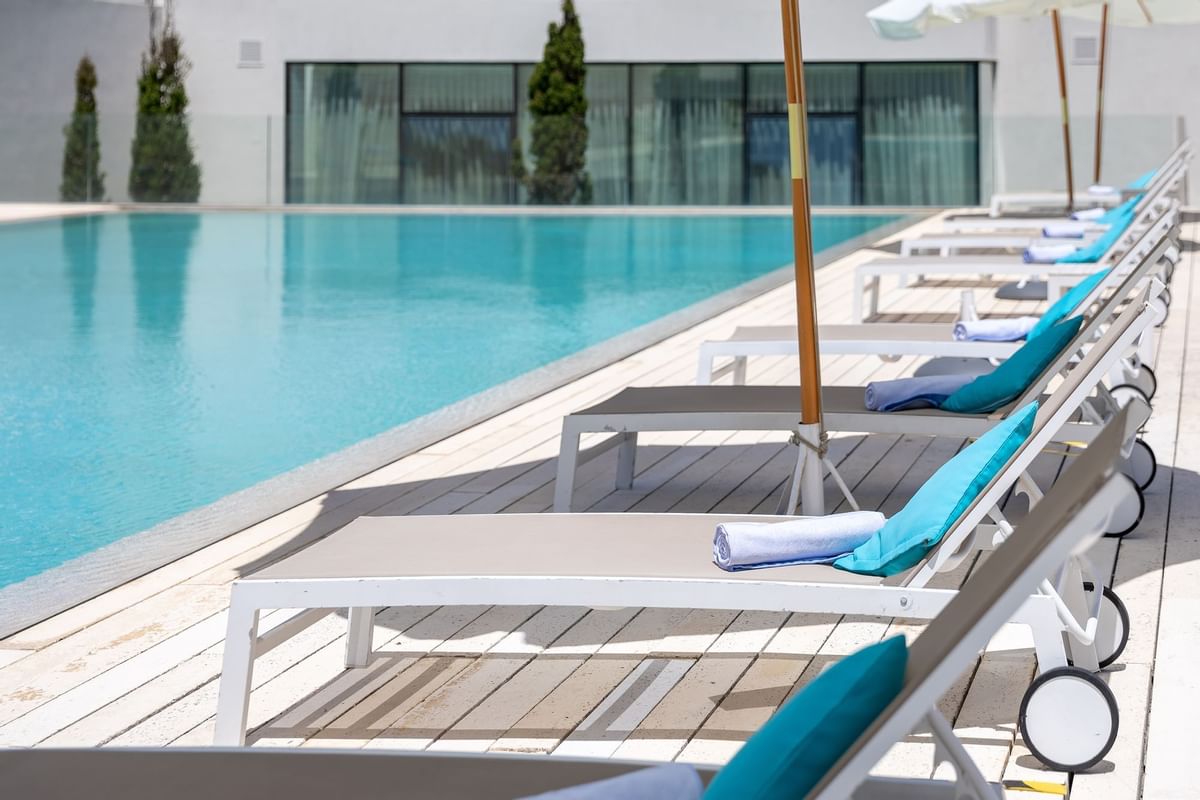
(1078, 377)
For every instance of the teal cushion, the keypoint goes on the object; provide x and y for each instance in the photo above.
(1144, 180)
(906, 537)
(1114, 215)
(994, 389)
(1067, 303)
(1100, 246)
(793, 751)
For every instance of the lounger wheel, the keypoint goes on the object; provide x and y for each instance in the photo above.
(1145, 380)
(1124, 392)
(1112, 633)
(1069, 719)
(1142, 465)
(1128, 513)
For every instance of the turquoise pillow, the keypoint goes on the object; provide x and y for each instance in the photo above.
(1067, 303)
(1096, 250)
(793, 751)
(1114, 215)
(1144, 180)
(906, 537)
(994, 389)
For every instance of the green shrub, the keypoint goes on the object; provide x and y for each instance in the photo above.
(82, 180)
(558, 105)
(163, 167)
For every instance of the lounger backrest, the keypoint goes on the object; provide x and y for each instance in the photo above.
(1142, 256)
(1053, 413)
(1091, 327)
(1071, 515)
(1166, 173)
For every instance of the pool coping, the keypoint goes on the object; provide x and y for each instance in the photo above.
(59, 588)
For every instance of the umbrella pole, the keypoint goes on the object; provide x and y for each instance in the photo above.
(1066, 117)
(810, 432)
(1100, 91)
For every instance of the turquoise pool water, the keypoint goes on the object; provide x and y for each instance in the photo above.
(154, 363)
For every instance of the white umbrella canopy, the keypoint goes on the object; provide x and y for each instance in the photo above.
(1138, 13)
(909, 19)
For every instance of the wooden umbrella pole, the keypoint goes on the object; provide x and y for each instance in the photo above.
(1066, 116)
(1100, 91)
(806, 290)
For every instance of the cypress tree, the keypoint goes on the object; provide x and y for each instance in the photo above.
(82, 179)
(559, 108)
(163, 167)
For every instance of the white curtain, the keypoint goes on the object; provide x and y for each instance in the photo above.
(687, 135)
(921, 135)
(344, 134)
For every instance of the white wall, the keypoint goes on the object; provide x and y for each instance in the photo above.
(41, 42)
(1145, 97)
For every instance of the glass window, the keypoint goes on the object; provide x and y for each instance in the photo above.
(458, 159)
(458, 88)
(343, 133)
(608, 133)
(921, 136)
(687, 134)
(766, 89)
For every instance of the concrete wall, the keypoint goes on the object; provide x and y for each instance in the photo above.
(238, 111)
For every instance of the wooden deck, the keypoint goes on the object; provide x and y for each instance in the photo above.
(138, 665)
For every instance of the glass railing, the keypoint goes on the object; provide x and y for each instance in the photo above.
(356, 157)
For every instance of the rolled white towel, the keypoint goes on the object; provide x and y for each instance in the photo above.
(1047, 253)
(807, 540)
(994, 330)
(1089, 214)
(1064, 230)
(923, 391)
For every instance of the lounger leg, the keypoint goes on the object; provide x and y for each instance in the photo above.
(358, 636)
(704, 370)
(568, 456)
(626, 460)
(874, 306)
(856, 302)
(739, 371)
(1040, 615)
(237, 670)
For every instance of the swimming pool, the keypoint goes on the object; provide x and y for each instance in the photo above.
(156, 362)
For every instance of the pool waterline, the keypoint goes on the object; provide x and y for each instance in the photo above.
(173, 320)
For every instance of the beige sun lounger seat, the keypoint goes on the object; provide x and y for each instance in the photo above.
(774, 408)
(637, 560)
(1065, 524)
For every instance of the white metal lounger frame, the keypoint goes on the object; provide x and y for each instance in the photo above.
(892, 342)
(1053, 611)
(868, 276)
(947, 647)
(1102, 356)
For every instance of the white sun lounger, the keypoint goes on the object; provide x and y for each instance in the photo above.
(774, 408)
(1007, 202)
(657, 560)
(896, 339)
(975, 236)
(1168, 171)
(868, 276)
(1064, 525)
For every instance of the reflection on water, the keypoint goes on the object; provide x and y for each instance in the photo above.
(80, 244)
(161, 246)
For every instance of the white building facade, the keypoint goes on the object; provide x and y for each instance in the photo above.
(421, 101)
